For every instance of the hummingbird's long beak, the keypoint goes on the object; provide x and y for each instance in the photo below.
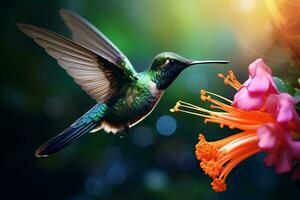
(195, 62)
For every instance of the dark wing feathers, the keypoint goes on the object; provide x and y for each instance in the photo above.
(90, 37)
(96, 75)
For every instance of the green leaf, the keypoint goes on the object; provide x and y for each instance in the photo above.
(283, 86)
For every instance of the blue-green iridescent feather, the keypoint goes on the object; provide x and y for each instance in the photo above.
(82, 126)
(137, 99)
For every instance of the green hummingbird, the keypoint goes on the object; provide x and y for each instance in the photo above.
(124, 97)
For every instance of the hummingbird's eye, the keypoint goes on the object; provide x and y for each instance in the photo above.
(171, 61)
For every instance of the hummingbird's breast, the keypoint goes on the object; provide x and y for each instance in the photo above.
(136, 102)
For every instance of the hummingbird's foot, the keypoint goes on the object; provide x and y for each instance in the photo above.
(125, 132)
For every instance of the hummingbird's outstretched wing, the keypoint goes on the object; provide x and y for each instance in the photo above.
(90, 37)
(99, 77)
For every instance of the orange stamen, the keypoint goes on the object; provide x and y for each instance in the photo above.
(219, 185)
(217, 162)
(231, 80)
(206, 151)
(211, 168)
(218, 158)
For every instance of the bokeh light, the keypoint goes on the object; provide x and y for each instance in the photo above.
(166, 125)
(155, 179)
(116, 175)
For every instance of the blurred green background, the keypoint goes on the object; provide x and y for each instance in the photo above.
(38, 100)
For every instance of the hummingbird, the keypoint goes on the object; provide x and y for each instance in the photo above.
(124, 97)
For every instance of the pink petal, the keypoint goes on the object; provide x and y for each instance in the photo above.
(272, 104)
(259, 67)
(245, 101)
(293, 146)
(286, 108)
(267, 137)
(246, 83)
(254, 104)
(253, 67)
(281, 106)
(239, 95)
(285, 113)
(259, 84)
(263, 69)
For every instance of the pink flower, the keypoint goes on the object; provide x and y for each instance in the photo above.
(281, 150)
(253, 93)
(276, 138)
(266, 119)
(282, 107)
(259, 92)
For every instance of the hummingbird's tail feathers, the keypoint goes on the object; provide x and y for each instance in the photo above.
(84, 125)
(65, 138)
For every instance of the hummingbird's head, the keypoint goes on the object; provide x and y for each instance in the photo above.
(166, 66)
